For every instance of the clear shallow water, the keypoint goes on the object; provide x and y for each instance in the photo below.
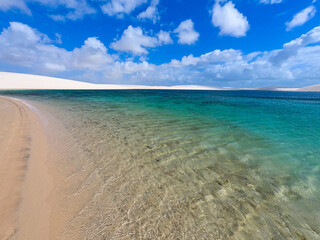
(193, 164)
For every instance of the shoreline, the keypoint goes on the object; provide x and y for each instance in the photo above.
(25, 169)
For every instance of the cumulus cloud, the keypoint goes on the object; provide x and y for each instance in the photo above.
(136, 42)
(76, 9)
(232, 68)
(230, 21)
(205, 69)
(298, 60)
(92, 55)
(291, 48)
(296, 63)
(126, 69)
(6, 5)
(164, 37)
(25, 46)
(270, 1)
(120, 7)
(151, 12)
(301, 17)
(186, 32)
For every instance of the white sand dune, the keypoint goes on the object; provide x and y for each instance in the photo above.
(314, 88)
(28, 81)
(286, 89)
(12, 81)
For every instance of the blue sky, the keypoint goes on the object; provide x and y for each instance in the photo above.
(238, 43)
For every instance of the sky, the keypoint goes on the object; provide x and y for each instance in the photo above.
(222, 43)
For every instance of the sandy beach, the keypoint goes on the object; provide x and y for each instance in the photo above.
(24, 180)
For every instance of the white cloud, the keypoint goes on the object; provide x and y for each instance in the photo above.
(134, 41)
(186, 32)
(19, 33)
(230, 21)
(151, 12)
(291, 48)
(24, 46)
(270, 1)
(119, 7)
(127, 68)
(164, 37)
(301, 17)
(297, 63)
(76, 9)
(92, 55)
(6, 5)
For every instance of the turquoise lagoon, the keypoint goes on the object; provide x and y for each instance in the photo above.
(193, 164)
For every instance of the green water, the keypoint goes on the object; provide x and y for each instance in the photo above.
(194, 164)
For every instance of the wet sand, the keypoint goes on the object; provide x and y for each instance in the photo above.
(25, 183)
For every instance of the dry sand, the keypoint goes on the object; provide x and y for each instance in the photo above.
(19, 81)
(13, 81)
(314, 88)
(9, 81)
(25, 183)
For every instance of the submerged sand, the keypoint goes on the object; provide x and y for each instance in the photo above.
(24, 180)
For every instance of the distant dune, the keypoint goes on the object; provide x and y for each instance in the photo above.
(314, 88)
(277, 89)
(28, 81)
(11, 81)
